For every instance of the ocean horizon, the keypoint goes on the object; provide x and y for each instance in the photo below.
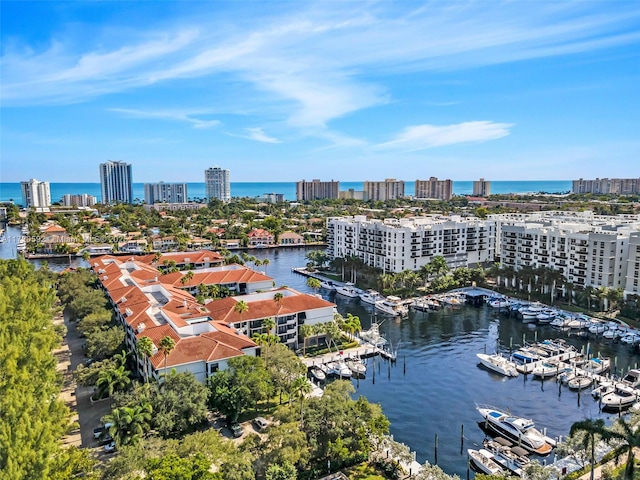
(10, 191)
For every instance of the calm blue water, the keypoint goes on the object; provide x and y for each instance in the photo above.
(433, 387)
(11, 191)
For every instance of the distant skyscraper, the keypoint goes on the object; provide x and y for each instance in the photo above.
(620, 186)
(316, 190)
(116, 182)
(390, 189)
(481, 188)
(217, 184)
(434, 188)
(35, 194)
(165, 193)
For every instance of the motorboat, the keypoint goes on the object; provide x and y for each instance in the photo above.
(339, 369)
(546, 316)
(603, 389)
(318, 374)
(452, 300)
(597, 365)
(631, 338)
(524, 355)
(497, 363)
(530, 312)
(328, 285)
(579, 382)
(498, 302)
(622, 397)
(548, 369)
(392, 306)
(373, 335)
(482, 460)
(632, 378)
(357, 367)
(519, 430)
(348, 290)
(506, 457)
(371, 297)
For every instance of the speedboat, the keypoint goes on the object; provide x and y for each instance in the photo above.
(549, 369)
(318, 374)
(579, 382)
(622, 397)
(483, 461)
(498, 302)
(597, 365)
(497, 363)
(392, 306)
(371, 297)
(373, 336)
(520, 430)
(327, 285)
(348, 290)
(525, 355)
(632, 378)
(357, 367)
(339, 369)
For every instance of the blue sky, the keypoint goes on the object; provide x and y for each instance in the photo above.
(281, 91)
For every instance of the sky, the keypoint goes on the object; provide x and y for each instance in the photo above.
(351, 91)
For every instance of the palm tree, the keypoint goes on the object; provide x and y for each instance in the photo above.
(113, 380)
(145, 350)
(313, 283)
(300, 387)
(269, 324)
(306, 331)
(265, 262)
(630, 437)
(187, 277)
(166, 346)
(128, 424)
(592, 429)
(121, 358)
(278, 299)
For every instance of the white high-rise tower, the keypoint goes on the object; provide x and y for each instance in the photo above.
(217, 184)
(116, 182)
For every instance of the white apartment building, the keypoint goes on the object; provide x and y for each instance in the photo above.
(79, 200)
(217, 184)
(633, 265)
(390, 189)
(165, 193)
(35, 194)
(407, 244)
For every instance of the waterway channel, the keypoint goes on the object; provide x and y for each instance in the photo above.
(433, 387)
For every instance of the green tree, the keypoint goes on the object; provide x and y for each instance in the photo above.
(593, 430)
(33, 419)
(284, 471)
(113, 380)
(306, 331)
(129, 424)
(170, 467)
(241, 307)
(98, 320)
(104, 343)
(629, 436)
(166, 347)
(313, 283)
(145, 350)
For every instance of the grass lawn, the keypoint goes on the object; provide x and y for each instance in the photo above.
(364, 471)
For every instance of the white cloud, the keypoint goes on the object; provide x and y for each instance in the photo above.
(169, 115)
(421, 137)
(258, 135)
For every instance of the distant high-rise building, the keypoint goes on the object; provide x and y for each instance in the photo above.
(481, 188)
(390, 189)
(165, 193)
(316, 190)
(620, 186)
(434, 188)
(79, 200)
(35, 194)
(217, 184)
(116, 182)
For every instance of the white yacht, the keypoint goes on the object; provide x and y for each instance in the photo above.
(348, 290)
(371, 297)
(483, 461)
(497, 363)
(327, 285)
(622, 397)
(392, 306)
(339, 369)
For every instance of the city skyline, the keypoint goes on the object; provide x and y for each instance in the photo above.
(282, 91)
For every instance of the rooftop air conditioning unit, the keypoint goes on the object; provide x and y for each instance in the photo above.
(141, 327)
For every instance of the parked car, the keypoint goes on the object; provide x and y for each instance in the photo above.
(101, 430)
(260, 423)
(110, 447)
(236, 429)
(106, 438)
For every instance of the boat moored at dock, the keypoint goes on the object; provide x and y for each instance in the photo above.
(482, 461)
(497, 363)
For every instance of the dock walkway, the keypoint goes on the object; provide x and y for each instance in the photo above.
(362, 351)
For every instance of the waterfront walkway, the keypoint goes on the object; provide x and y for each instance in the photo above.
(362, 351)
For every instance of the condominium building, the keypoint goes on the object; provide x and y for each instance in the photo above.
(619, 186)
(165, 193)
(481, 188)
(353, 194)
(632, 286)
(217, 184)
(394, 245)
(271, 198)
(434, 188)
(35, 194)
(390, 189)
(116, 182)
(79, 200)
(316, 190)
